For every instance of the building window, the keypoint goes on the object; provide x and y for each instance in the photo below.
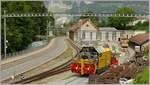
(77, 35)
(83, 35)
(114, 35)
(91, 35)
(107, 35)
(100, 35)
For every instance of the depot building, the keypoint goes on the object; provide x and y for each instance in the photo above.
(85, 31)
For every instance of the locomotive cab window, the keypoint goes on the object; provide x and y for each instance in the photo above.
(88, 53)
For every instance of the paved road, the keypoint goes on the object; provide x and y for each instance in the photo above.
(58, 47)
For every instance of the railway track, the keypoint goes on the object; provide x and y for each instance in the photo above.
(62, 68)
(73, 45)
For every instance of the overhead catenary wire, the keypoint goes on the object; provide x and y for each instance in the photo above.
(69, 14)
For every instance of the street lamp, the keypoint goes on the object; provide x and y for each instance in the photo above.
(5, 41)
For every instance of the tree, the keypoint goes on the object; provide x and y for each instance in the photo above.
(121, 22)
(142, 26)
(22, 31)
(103, 23)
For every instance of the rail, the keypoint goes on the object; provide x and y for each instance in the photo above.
(73, 45)
(62, 68)
(22, 52)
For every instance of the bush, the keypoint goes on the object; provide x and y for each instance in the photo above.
(143, 77)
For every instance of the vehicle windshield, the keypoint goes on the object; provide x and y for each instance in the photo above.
(88, 53)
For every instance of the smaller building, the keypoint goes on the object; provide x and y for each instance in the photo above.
(107, 34)
(141, 40)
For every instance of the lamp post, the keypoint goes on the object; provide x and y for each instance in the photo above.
(49, 27)
(5, 41)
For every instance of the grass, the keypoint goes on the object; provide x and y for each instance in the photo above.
(146, 55)
(143, 77)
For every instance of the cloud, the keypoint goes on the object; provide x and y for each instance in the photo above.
(57, 6)
(60, 6)
(62, 20)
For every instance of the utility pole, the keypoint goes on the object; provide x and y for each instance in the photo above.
(47, 30)
(47, 33)
(5, 35)
(49, 27)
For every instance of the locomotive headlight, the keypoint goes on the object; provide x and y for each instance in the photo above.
(88, 68)
(76, 68)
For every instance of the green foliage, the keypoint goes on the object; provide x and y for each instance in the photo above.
(103, 23)
(121, 22)
(146, 55)
(68, 25)
(22, 31)
(143, 77)
(142, 26)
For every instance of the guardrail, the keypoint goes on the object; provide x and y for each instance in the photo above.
(19, 53)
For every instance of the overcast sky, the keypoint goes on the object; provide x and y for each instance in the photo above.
(60, 5)
(63, 5)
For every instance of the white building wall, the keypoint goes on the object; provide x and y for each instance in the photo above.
(87, 36)
(110, 36)
(103, 38)
(81, 32)
(79, 35)
(130, 34)
(114, 36)
(125, 34)
(117, 35)
(94, 36)
(101, 35)
(75, 37)
(139, 32)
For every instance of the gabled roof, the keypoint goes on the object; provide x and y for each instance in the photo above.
(81, 22)
(140, 39)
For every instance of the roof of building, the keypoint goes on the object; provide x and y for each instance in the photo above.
(107, 29)
(140, 39)
(77, 25)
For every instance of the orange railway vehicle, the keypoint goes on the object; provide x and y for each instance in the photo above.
(92, 60)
